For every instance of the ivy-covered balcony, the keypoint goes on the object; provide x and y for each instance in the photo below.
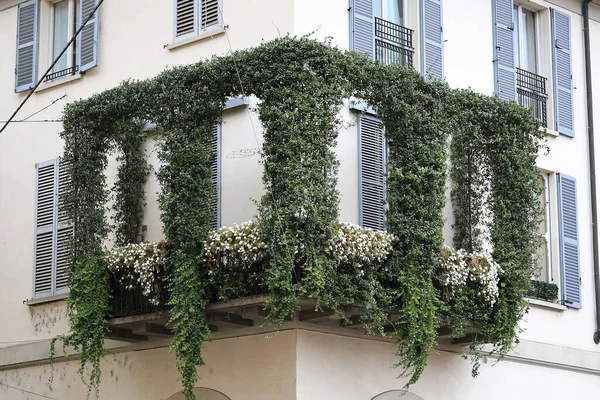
(295, 264)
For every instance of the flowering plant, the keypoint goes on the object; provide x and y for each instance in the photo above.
(459, 269)
(140, 265)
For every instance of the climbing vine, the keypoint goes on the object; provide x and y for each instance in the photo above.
(302, 85)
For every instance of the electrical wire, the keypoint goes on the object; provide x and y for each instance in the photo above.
(48, 106)
(51, 66)
(38, 120)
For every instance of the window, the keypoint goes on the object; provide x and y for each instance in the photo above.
(63, 27)
(525, 39)
(372, 169)
(53, 231)
(194, 17)
(62, 19)
(393, 11)
(543, 267)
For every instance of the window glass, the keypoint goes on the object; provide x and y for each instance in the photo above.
(393, 11)
(61, 33)
(529, 41)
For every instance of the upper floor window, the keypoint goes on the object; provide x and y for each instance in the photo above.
(382, 30)
(525, 39)
(195, 17)
(61, 19)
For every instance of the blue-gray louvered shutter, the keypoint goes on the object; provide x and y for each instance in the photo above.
(362, 27)
(87, 42)
(27, 46)
(44, 229)
(209, 14)
(186, 12)
(432, 43)
(214, 148)
(569, 240)
(504, 57)
(563, 85)
(64, 232)
(371, 164)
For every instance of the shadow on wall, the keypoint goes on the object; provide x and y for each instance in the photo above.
(206, 394)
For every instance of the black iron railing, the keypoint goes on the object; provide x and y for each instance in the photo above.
(63, 72)
(531, 93)
(393, 43)
(128, 302)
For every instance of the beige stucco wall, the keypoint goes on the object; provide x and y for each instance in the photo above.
(247, 368)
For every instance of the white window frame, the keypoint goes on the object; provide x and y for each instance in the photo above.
(70, 32)
(538, 42)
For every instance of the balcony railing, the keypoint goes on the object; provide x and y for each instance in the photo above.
(393, 43)
(63, 72)
(127, 302)
(531, 93)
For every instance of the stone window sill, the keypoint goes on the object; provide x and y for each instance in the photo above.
(536, 303)
(58, 82)
(203, 35)
(46, 300)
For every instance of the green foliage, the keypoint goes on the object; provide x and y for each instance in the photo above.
(495, 197)
(543, 290)
(301, 84)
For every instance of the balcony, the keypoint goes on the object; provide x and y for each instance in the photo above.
(531, 93)
(63, 72)
(393, 43)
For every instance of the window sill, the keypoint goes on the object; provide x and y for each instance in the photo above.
(58, 82)
(536, 303)
(46, 300)
(549, 132)
(204, 35)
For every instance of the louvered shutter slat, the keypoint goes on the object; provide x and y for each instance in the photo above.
(362, 35)
(504, 58)
(213, 148)
(569, 240)
(63, 246)
(87, 42)
(210, 14)
(433, 54)
(372, 173)
(185, 17)
(563, 86)
(26, 66)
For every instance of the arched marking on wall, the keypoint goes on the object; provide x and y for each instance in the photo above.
(397, 395)
(202, 394)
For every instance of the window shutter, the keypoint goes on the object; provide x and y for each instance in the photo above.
(362, 30)
(209, 15)
(44, 228)
(563, 85)
(64, 233)
(504, 57)
(87, 43)
(371, 164)
(185, 18)
(569, 241)
(214, 148)
(27, 46)
(432, 44)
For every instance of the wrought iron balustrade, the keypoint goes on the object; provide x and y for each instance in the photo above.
(531, 93)
(127, 302)
(63, 72)
(393, 43)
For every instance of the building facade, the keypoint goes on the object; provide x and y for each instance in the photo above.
(528, 51)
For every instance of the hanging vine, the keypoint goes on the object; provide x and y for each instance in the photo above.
(301, 85)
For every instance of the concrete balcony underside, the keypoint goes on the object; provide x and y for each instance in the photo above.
(248, 316)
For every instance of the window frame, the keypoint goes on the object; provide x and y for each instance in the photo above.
(72, 18)
(198, 31)
(520, 37)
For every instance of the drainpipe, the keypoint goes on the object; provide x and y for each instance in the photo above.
(592, 157)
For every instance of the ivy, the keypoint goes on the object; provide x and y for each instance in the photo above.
(302, 85)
